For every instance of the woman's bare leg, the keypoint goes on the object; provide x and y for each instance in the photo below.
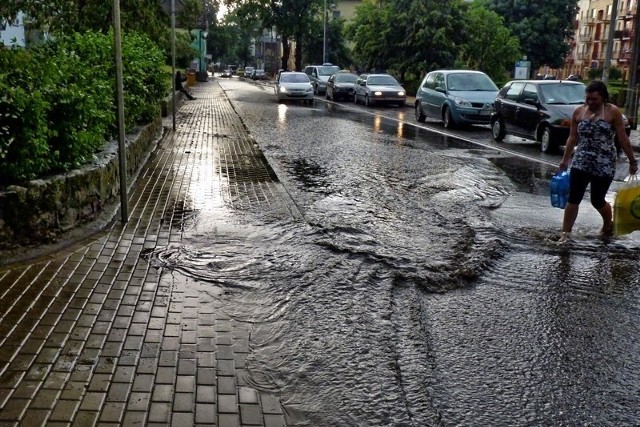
(570, 215)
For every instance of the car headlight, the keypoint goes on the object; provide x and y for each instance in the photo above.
(401, 93)
(377, 93)
(461, 102)
(283, 89)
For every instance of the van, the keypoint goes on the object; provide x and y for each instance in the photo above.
(319, 74)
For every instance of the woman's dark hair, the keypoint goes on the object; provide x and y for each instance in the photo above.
(600, 87)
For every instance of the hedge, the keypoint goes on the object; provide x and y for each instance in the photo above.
(57, 100)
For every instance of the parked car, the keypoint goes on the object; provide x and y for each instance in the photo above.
(319, 74)
(294, 86)
(341, 85)
(539, 110)
(248, 71)
(258, 74)
(240, 72)
(227, 73)
(457, 97)
(375, 89)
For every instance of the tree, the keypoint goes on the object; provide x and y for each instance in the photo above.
(543, 27)
(336, 49)
(412, 36)
(367, 31)
(290, 17)
(489, 47)
(67, 16)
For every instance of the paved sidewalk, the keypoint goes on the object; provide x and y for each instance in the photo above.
(96, 335)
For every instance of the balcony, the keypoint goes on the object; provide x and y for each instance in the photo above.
(585, 56)
(586, 38)
(625, 56)
(590, 21)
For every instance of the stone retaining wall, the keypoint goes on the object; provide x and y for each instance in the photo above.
(41, 210)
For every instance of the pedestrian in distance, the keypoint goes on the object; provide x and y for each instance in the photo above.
(594, 127)
(179, 79)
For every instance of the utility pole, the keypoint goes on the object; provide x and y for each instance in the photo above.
(612, 34)
(324, 37)
(117, 44)
(173, 64)
(631, 100)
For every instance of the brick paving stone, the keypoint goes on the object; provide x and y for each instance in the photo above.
(205, 414)
(227, 403)
(250, 415)
(274, 421)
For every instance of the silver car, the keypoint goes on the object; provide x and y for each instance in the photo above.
(457, 97)
(374, 89)
(294, 86)
(319, 74)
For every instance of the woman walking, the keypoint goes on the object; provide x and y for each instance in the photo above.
(594, 127)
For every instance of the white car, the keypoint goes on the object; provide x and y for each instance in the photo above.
(294, 86)
(248, 71)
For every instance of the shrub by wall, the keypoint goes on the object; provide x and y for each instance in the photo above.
(57, 100)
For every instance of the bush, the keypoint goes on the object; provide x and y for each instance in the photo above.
(57, 101)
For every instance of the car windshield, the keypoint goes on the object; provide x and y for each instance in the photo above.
(346, 78)
(328, 70)
(382, 81)
(294, 78)
(470, 82)
(562, 93)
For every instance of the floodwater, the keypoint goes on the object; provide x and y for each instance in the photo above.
(418, 282)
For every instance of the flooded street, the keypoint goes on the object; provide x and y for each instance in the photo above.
(414, 281)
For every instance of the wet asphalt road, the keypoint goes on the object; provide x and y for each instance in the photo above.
(426, 287)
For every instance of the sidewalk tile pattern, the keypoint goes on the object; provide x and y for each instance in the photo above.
(95, 335)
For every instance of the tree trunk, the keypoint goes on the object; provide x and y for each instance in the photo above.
(286, 51)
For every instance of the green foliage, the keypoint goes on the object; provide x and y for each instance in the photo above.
(24, 149)
(57, 103)
(615, 73)
(541, 26)
(489, 46)
(69, 16)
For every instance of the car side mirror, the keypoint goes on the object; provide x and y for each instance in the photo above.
(530, 101)
(440, 89)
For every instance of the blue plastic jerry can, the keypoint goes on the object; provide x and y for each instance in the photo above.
(559, 189)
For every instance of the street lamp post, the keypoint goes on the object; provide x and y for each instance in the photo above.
(203, 48)
(324, 37)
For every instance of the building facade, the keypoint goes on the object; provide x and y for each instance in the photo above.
(592, 32)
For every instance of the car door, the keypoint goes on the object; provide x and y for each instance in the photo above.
(436, 96)
(360, 87)
(528, 110)
(509, 108)
(422, 95)
(330, 86)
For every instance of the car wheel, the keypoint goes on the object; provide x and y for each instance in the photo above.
(497, 130)
(547, 144)
(447, 119)
(419, 114)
